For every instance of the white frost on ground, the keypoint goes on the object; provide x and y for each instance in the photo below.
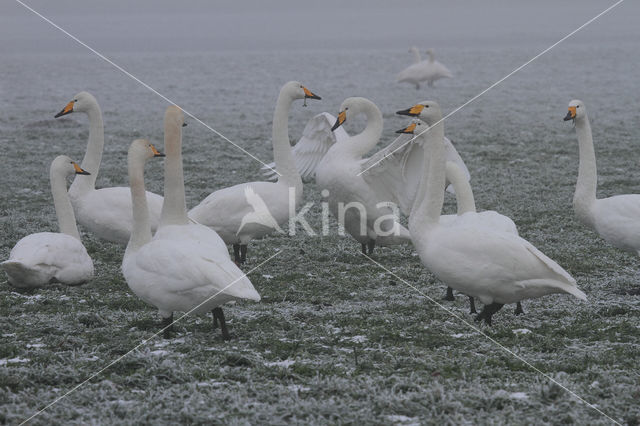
(403, 420)
(285, 364)
(521, 331)
(16, 360)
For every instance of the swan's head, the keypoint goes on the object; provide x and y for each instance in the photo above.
(174, 116)
(82, 102)
(576, 110)
(141, 150)
(413, 49)
(66, 166)
(415, 128)
(427, 111)
(352, 107)
(296, 90)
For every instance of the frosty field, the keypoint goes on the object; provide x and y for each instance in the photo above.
(335, 339)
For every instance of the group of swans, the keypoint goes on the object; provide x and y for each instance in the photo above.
(428, 70)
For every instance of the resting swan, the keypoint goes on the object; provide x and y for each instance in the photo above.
(466, 205)
(617, 218)
(224, 210)
(429, 70)
(496, 267)
(389, 176)
(106, 212)
(46, 257)
(172, 271)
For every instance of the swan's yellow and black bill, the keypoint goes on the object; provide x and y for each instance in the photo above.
(310, 95)
(409, 129)
(414, 111)
(571, 115)
(156, 153)
(79, 170)
(66, 110)
(341, 119)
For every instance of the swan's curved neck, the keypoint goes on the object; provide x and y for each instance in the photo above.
(282, 156)
(174, 206)
(427, 210)
(93, 155)
(587, 183)
(464, 194)
(64, 210)
(416, 55)
(364, 141)
(141, 230)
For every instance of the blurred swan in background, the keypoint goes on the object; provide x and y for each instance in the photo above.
(428, 70)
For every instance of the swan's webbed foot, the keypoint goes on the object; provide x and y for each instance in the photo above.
(518, 310)
(218, 315)
(167, 326)
(243, 253)
(449, 295)
(236, 254)
(370, 246)
(472, 306)
(488, 311)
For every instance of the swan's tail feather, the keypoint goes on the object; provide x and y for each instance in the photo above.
(21, 275)
(574, 291)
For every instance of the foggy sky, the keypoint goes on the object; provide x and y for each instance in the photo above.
(195, 25)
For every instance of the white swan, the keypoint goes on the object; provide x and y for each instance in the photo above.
(617, 218)
(496, 267)
(390, 175)
(39, 259)
(172, 271)
(466, 214)
(106, 212)
(428, 70)
(224, 210)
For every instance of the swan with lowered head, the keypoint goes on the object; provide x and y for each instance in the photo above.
(428, 70)
(496, 267)
(466, 207)
(185, 267)
(39, 259)
(617, 218)
(106, 212)
(224, 210)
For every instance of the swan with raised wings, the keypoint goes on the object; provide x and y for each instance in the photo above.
(496, 267)
(39, 259)
(617, 218)
(224, 210)
(105, 212)
(180, 269)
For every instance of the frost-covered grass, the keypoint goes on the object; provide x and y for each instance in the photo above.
(335, 338)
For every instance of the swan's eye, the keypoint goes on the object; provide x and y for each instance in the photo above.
(577, 106)
(75, 100)
(426, 106)
(346, 108)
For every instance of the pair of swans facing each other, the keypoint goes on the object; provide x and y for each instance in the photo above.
(184, 266)
(617, 218)
(47, 257)
(428, 70)
(107, 212)
(496, 267)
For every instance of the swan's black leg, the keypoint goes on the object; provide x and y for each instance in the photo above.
(236, 253)
(364, 248)
(519, 310)
(167, 326)
(488, 312)
(215, 321)
(449, 295)
(371, 245)
(219, 315)
(243, 253)
(472, 306)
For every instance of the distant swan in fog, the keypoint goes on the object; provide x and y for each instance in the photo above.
(39, 259)
(428, 70)
(106, 212)
(617, 218)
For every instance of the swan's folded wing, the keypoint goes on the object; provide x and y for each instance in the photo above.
(395, 171)
(184, 268)
(316, 140)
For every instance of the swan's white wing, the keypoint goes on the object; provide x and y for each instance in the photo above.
(316, 140)
(395, 171)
